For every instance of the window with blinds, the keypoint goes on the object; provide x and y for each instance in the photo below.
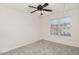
(60, 26)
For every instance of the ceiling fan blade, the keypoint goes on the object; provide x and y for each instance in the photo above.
(33, 11)
(47, 10)
(46, 4)
(32, 7)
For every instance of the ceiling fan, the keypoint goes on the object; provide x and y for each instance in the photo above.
(41, 8)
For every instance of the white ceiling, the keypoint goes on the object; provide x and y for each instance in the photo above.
(56, 7)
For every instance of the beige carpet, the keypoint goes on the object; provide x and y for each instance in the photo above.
(44, 47)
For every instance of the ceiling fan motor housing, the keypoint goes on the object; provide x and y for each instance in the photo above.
(40, 7)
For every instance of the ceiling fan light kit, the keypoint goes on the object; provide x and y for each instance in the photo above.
(41, 8)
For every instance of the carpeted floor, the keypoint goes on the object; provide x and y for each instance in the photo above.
(44, 47)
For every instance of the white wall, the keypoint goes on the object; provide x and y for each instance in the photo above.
(17, 29)
(73, 40)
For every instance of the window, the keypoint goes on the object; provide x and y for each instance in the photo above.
(60, 26)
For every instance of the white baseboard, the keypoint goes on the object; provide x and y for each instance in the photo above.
(63, 43)
(17, 46)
